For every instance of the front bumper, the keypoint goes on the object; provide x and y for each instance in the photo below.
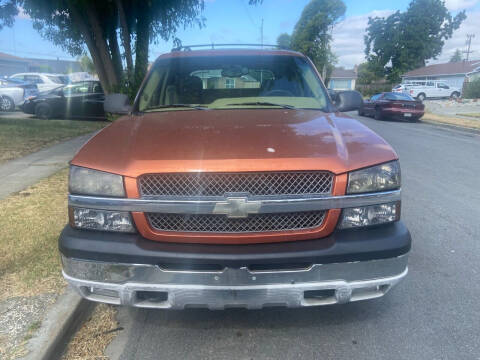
(126, 269)
(150, 286)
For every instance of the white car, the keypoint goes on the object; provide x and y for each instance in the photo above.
(432, 89)
(43, 81)
(13, 93)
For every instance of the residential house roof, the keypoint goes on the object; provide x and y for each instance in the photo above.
(341, 73)
(4, 56)
(450, 68)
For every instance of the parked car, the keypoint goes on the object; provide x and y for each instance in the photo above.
(82, 99)
(212, 193)
(392, 105)
(44, 81)
(432, 89)
(13, 93)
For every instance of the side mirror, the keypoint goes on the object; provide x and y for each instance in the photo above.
(117, 104)
(348, 100)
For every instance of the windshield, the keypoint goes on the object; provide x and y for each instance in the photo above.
(227, 82)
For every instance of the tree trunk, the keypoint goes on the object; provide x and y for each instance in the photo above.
(125, 34)
(101, 45)
(115, 52)
(97, 61)
(141, 46)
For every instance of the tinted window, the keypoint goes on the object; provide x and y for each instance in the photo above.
(75, 89)
(97, 88)
(35, 79)
(375, 97)
(398, 96)
(228, 81)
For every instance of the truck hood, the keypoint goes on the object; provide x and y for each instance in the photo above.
(233, 140)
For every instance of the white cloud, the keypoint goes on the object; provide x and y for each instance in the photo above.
(460, 4)
(348, 36)
(348, 43)
(22, 15)
(469, 26)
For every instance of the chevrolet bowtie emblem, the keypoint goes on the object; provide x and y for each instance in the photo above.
(237, 207)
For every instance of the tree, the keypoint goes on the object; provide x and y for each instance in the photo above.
(284, 40)
(368, 74)
(87, 65)
(76, 25)
(456, 57)
(405, 41)
(312, 33)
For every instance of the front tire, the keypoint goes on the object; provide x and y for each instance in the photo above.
(378, 114)
(43, 111)
(455, 95)
(7, 104)
(421, 96)
(360, 112)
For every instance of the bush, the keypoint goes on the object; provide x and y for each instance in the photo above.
(372, 89)
(472, 89)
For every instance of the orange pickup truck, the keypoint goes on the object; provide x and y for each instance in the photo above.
(234, 180)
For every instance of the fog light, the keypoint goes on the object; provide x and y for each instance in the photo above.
(370, 215)
(102, 220)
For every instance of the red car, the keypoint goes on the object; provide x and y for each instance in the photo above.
(392, 105)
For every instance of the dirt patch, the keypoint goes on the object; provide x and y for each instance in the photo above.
(20, 317)
(94, 336)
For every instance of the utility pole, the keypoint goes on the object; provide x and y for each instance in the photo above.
(261, 33)
(468, 43)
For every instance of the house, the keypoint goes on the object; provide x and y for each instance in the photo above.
(342, 79)
(10, 65)
(452, 73)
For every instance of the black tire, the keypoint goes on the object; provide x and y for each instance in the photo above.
(360, 112)
(43, 111)
(455, 95)
(6, 103)
(421, 96)
(378, 114)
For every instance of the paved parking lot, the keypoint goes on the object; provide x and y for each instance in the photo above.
(433, 314)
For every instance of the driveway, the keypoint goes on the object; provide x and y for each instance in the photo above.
(433, 314)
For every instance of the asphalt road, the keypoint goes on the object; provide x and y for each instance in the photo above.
(433, 314)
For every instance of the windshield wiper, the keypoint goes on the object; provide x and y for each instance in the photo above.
(263, 103)
(196, 107)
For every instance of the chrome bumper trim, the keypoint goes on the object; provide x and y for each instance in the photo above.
(139, 285)
(260, 205)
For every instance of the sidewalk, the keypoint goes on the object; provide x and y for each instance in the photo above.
(18, 174)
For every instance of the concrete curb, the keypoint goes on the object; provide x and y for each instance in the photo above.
(457, 127)
(58, 326)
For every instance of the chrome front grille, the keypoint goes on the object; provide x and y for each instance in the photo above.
(219, 184)
(222, 224)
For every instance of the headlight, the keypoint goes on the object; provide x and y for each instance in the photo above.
(370, 215)
(83, 181)
(376, 178)
(101, 220)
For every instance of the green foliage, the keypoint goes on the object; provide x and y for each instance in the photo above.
(404, 41)
(284, 40)
(86, 64)
(456, 57)
(472, 89)
(367, 73)
(373, 88)
(8, 11)
(312, 33)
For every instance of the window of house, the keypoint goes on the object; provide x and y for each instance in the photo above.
(229, 83)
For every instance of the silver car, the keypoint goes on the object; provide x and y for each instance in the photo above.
(14, 93)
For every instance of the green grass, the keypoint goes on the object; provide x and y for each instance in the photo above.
(19, 137)
(30, 223)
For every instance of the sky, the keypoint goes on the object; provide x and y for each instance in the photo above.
(234, 21)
